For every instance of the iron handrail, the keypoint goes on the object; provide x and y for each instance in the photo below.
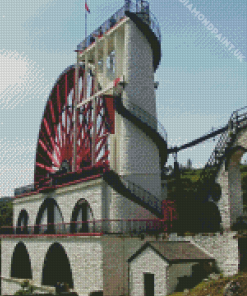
(204, 137)
(225, 139)
(236, 122)
(147, 118)
(84, 173)
(143, 194)
(90, 226)
(144, 13)
(118, 16)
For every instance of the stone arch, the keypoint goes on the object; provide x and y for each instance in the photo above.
(49, 213)
(22, 222)
(20, 263)
(229, 177)
(56, 267)
(82, 212)
(209, 217)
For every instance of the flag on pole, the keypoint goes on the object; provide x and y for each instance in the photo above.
(86, 7)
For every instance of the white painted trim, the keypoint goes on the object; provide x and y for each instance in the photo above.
(58, 191)
(107, 34)
(101, 92)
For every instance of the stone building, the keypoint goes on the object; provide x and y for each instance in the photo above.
(89, 217)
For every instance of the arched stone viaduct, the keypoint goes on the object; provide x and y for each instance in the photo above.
(228, 177)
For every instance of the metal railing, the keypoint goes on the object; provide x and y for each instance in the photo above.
(97, 227)
(143, 195)
(238, 120)
(141, 11)
(146, 117)
(58, 179)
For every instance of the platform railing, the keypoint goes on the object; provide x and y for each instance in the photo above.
(147, 118)
(60, 178)
(143, 195)
(145, 15)
(96, 227)
(238, 120)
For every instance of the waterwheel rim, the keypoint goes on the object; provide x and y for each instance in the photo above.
(55, 140)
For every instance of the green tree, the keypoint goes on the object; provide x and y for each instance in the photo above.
(189, 164)
(27, 289)
(6, 214)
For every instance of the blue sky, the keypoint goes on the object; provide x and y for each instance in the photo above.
(200, 81)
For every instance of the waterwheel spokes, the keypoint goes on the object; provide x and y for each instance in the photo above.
(55, 143)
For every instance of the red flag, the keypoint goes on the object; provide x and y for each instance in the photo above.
(86, 7)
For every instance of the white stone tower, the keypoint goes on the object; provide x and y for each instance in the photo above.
(138, 144)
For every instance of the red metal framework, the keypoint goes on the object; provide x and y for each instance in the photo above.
(169, 210)
(55, 141)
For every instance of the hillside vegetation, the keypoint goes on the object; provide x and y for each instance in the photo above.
(216, 287)
(189, 178)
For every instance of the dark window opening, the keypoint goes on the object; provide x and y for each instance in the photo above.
(49, 215)
(98, 293)
(82, 213)
(22, 223)
(56, 268)
(148, 284)
(20, 264)
(242, 245)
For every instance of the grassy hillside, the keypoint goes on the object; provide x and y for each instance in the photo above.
(216, 287)
(189, 182)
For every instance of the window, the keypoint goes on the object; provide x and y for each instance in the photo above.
(22, 223)
(20, 263)
(49, 215)
(56, 267)
(82, 213)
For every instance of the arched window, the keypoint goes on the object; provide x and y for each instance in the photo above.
(20, 263)
(56, 268)
(22, 223)
(81, 214)
(48, 216)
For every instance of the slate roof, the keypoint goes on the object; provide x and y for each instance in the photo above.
(175, 251)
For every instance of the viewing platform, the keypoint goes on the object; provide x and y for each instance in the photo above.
(142, 16)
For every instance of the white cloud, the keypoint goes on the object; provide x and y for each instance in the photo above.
(17, 165)
(21, 79)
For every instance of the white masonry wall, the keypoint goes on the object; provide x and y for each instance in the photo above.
(148, 262)
(229, 177)
(117, 251)
(123, 208)
(138, 155)
(84, 254)
(66, 198)
(222, 247)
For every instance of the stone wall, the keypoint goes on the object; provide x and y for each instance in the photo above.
(138, 156)
(148, 262)
(66, 198)
(229, 178)
(117, 250)
(84, 254)
(175, 271)
(223, 247)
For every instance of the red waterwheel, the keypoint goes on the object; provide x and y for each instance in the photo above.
(55, 142)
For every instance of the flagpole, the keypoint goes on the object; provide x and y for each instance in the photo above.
(86, 24)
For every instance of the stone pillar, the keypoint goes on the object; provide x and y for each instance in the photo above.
(231, 202)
